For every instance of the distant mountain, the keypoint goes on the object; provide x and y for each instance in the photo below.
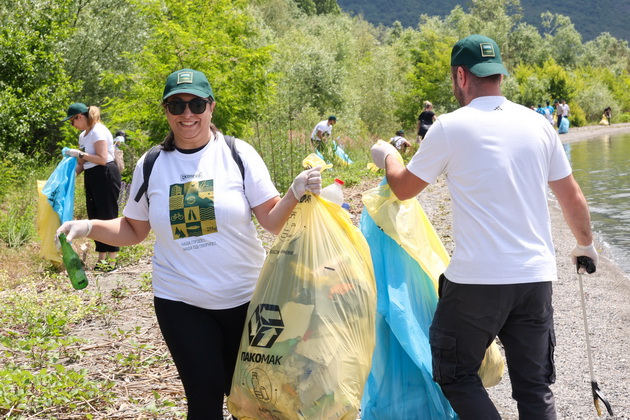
(590, 17)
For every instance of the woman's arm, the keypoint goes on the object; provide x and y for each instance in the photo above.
(117, 232)
(100, 157)
(273, 213)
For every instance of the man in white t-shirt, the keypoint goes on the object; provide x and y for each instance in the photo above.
(322, 131)
(498, 158)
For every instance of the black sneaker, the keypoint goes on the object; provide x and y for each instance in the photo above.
(105, 267)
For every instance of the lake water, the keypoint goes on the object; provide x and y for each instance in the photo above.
(601, 166)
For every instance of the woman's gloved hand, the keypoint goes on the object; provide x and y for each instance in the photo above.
(73, 153)
(74, 229)
(308, 180)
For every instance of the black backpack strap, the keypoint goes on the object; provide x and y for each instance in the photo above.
(235, 155)
(147, 167)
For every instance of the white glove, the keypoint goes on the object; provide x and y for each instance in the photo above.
(584, 251)
(73, 153)
(380, 151)
(74, 229)
(308, 180)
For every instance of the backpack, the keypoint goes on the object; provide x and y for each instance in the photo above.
(154, 152)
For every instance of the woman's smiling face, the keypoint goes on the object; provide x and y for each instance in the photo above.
(190, 130)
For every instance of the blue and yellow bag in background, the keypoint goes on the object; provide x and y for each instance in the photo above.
(55, 205)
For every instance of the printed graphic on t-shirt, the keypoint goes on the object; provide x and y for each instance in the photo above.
(191, 208)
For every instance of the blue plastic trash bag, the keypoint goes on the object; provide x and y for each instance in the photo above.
(400, 384)
(564, 126)
(60, 188)
(341, 154)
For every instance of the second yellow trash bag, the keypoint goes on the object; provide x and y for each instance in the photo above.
(307, 346)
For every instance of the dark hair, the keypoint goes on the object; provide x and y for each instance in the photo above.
(120, 133)
(400, 132)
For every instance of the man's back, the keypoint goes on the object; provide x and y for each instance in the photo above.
(498, 157)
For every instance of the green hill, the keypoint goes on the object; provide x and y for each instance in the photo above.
(589, 17)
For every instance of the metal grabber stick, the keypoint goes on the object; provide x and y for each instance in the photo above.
(587, 264)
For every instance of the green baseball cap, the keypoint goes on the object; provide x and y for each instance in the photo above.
(188, 81)
(479, 54)
(75, 109)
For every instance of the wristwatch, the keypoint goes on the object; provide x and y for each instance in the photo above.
(81, 154)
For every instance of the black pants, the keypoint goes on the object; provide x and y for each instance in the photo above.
(467, 319)
(102, 188)
(204, 344)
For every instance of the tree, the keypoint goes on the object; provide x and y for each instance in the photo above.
(106, 35)
(33, 85)
(214, 36)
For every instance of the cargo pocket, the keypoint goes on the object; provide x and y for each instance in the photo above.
(444, 359)
(552, 361)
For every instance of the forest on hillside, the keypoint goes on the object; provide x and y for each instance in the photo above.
(277, 67)
(590, 18)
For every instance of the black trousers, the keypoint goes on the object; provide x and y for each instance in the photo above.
(467, 319)
(102, 188)
(204, 345)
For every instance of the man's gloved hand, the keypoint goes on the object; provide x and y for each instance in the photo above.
(73, 153)
(308, 180)
(380, 151)
(74, 229)
(584, 251)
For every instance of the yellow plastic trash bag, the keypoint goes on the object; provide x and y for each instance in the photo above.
(47, 224)
(312, 161)
(604, 120)
(307, 346)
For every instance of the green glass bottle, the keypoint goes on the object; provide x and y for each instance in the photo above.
(73, 264)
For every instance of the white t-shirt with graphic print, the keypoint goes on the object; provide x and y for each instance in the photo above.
(497, 157)
(207, 252)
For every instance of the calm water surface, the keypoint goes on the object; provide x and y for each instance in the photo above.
(601, 166)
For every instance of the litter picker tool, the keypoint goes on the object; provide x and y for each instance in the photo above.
(589, 266)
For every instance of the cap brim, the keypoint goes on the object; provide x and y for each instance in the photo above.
(488, 69)
(195, 92)
(67, 118)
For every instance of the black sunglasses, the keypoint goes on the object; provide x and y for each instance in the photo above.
(196, 106)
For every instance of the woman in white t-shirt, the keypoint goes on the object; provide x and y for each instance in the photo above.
(207, 254)
(102, 177)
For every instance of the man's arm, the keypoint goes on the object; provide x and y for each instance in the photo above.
(574, 208)
(402, 182)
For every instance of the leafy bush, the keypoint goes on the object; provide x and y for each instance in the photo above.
(622, 118)
(577, 116)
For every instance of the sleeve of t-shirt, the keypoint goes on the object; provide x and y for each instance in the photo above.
(430, 161)
(137, 210)
(259, 187)
(559, 166)
(100, 132)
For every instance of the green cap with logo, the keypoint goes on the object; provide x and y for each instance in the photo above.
(75, 109)
(479, 54)
(188, 81)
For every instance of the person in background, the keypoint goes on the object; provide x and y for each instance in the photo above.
(322, 131)
(207, 255)
(558, 107)
(425, 120)
(550, 116)
(565, 109)
(102, 177)
(120, 138)
(608, 114)
(498, 158)
(400, 142)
